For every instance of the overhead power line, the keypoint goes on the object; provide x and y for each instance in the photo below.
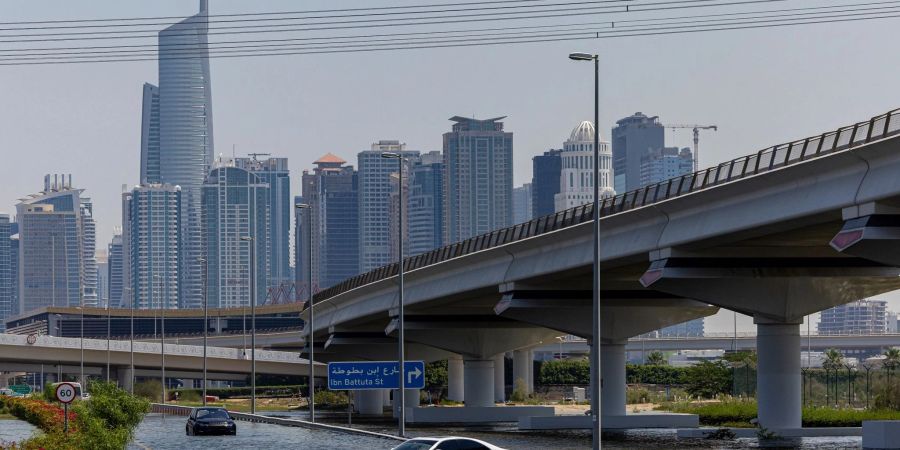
(643, 25)
(548, 37)
(416, 21)
(775, 15)
(784, 12)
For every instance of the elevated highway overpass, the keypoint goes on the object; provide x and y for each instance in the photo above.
(63, 355)
(778, 234)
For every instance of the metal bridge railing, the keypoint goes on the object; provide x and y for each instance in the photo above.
(765, 160)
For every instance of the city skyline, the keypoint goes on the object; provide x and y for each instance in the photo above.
(753, 126)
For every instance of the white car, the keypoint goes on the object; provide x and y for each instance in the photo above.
(446, 443)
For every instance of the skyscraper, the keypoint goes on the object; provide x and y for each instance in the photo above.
(186, 135)
(103, 278)
(274, 172)
(116, 274)
(14, 268)
(235, 208)
(426, 203)
(522, 207)
(151, 243)
(5, 270)
(577, 176)
(478, 178)
(150, 135)
(545, 182)
(632, 138)
(374, 202)
(332, 193)
(52, 237)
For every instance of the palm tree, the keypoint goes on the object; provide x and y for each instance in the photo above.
(891, 362)
(834, 360)
(656, 359)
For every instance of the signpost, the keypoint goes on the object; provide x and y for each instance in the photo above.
(65, 393)
(23, 389)
(362, 375)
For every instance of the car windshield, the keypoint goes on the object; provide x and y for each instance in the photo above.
(212, 414)
(416, 444)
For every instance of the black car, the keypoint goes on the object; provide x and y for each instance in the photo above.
(210, 421)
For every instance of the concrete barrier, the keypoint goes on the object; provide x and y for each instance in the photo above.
(881, 434)
(256, 418)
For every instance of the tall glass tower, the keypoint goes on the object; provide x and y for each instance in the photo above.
(5, 270)
(186, 135)
(151, 244)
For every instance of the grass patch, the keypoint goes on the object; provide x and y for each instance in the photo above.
(738, 414)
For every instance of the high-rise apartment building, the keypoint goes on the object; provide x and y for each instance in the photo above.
(632, 138)
(14, 268)
(545, 182)
(577, 172)
(333, 219)
(102, 278)
(523, 210)
(691, 328)
(374, 202)
(855, 318)
(665, 163)
(88, 254)
(235, 219)
(478, 178)
(151, 244)
(55, 231)
(6, 280)
(274, 172)
(116, 277)
(186, 136)
(425, 203)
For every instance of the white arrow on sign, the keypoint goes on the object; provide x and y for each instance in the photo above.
(413, 374)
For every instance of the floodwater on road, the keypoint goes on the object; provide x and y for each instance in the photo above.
(167, 432)
(12, 430)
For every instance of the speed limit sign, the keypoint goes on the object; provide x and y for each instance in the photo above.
(65, 392)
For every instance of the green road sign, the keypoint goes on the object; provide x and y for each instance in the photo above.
(23, 389)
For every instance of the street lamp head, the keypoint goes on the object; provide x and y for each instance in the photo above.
(579, 56)
(247, 238)
(390, 155)
(301, 205)
(201, 260)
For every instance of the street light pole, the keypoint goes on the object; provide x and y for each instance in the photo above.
(251, 242)
(401, 351)
(595, 317)
(312, 317)
(108, 329)
(205, 323)
(162, 338)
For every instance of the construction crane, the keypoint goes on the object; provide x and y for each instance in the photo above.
(696, 129)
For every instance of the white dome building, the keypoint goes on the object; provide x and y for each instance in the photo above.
(576, 181)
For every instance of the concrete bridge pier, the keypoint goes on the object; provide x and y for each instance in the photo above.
(778, 380)
(370, 402)
(479, 382)
(500, 378)
(612, 373)
(523, 366)
(411, 400)
(124, 375)
(455, 383)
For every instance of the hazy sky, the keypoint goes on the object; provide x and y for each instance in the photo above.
(761, 87)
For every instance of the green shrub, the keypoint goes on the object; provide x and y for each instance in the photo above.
(707, 379)
(520, 391)
(655, 374)
(736, 413)
(150, 390)
(565, 371)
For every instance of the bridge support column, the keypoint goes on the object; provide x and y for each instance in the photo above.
(412, 400)
(500, 378)
(479, 382)
(529, 367)
(370, 402)
(520, 369)
(612, 373)
(124, 376)
(778, 379)
(455, 390)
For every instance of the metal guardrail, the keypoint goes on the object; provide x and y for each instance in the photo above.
(766, 160)
(178, 410)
